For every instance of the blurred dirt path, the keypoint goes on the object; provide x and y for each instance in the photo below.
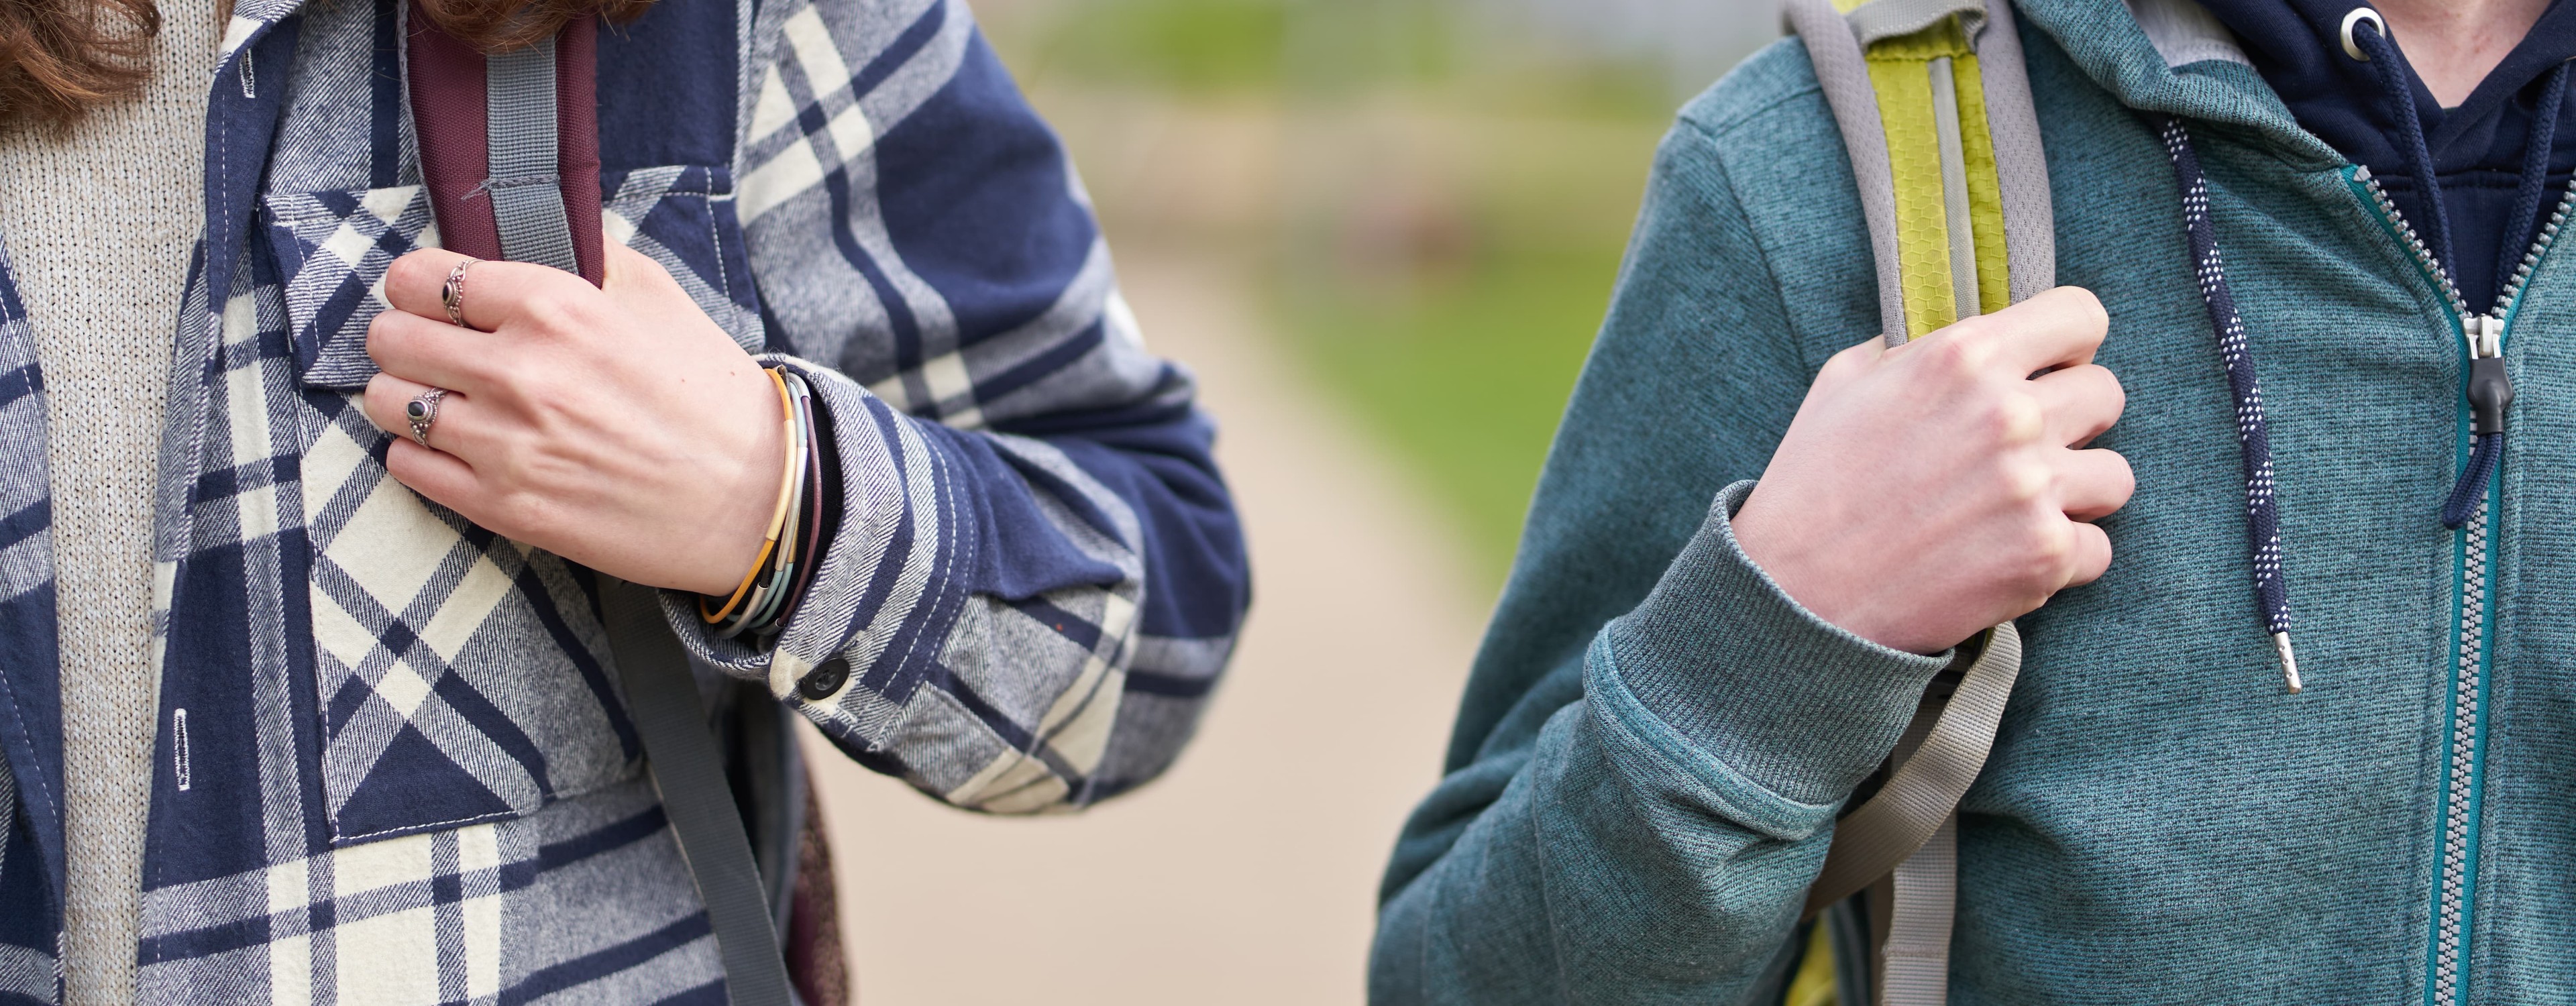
(1248, 874)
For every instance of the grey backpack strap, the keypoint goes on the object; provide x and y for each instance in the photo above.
(1926, 788)
(689, 773)
(522, 139)
(2021, 161)
(1843, 70)
(1909, 829)
(540, 172)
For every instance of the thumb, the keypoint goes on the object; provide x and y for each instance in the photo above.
(627, 267)
(637, 281)
(1851, 362)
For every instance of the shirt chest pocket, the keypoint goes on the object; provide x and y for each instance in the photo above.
(461, 677)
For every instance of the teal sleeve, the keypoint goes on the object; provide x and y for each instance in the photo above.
(1655, 737)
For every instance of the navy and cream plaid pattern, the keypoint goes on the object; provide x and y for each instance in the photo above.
(29, 958)
(394, 765)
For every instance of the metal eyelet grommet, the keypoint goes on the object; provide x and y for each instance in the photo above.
(819, 683)
(2359, 15)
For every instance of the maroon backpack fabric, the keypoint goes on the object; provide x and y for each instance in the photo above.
(448, 112)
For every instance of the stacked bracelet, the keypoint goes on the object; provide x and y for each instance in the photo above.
(778, 577)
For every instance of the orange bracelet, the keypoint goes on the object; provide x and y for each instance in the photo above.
(778, 514)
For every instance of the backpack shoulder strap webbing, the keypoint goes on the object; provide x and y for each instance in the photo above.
(689, 775)
(1933, 103)
(1934, 108)
(510, 153)
(509, 145)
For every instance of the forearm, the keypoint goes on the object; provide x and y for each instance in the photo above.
(1656, 839)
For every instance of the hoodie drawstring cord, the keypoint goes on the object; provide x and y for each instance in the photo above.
(2535, 171)
(2488, 389)
(2484, 451)
(2400, 88)
(2253, 434)
(2488, 395)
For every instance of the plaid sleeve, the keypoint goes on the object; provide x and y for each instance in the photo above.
(1038, 573)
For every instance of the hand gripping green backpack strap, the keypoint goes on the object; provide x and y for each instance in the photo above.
(1934, 107)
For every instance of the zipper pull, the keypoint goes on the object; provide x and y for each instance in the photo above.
(2489, 389)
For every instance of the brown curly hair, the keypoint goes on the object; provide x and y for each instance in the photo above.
(60, 58)
(503, 25)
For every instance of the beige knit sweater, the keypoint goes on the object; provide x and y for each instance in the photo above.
(99, 225)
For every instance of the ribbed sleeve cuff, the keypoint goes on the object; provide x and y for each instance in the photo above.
(1726, 659)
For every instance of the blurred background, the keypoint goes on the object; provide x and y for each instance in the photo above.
(1383, 233)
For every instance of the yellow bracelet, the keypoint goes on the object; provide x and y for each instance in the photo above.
(777, 514)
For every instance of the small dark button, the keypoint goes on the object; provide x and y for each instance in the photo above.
(822, 681)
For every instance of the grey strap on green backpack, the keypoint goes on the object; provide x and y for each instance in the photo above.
(1933, 103)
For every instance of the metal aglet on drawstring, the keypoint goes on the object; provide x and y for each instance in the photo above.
(2289, 662)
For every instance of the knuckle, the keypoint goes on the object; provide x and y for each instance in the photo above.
(2075, 296)
(649, 268)
(2091, 319)
(2111, 389)
(415, 269)
(384, 331)
(2123, 475)
(2050, 555)
(547, 315)
(1958, 354)
(1848, 360)
(2095, 314)
(2013, 418)
(2023, 484)
(403, 270)
(559, 315)
(496, 380)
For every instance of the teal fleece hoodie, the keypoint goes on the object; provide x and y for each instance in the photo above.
(1655, 740)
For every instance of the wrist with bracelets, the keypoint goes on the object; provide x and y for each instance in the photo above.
(788, 550)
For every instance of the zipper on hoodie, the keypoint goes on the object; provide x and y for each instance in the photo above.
(2485, 393)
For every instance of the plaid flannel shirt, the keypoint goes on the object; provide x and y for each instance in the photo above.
(392, 764)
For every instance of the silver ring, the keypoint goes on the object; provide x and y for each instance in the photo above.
(452, 293)
(2351, 20)
(423, 413)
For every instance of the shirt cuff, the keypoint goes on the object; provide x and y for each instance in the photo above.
(1735, 666)
(897, 531)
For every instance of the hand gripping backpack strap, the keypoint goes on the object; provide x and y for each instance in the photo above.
(1934, 106)
(510, 152)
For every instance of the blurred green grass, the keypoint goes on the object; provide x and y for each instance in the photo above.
(1185, 45)
(1445, 222)
(1467, 383)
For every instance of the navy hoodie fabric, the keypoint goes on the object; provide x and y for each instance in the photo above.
(2477, 148)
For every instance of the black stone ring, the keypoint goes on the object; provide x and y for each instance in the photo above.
(423, 413)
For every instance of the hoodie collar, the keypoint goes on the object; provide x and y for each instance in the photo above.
(2297, 46)
(2105, 40)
